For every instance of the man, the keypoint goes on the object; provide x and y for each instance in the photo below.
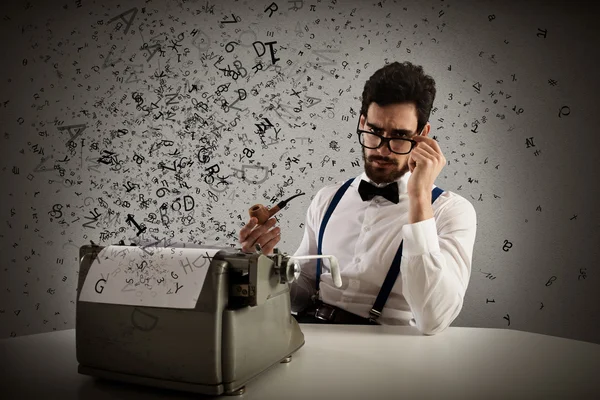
(413, 231)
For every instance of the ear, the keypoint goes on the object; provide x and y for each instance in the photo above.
(361, 124)
(426, 129)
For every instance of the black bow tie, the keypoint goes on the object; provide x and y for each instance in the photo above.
(367, 191)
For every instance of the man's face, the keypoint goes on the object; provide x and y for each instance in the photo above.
(385, 121)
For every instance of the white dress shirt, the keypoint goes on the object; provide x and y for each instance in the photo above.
(365, 235)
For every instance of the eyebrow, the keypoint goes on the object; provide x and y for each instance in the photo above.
(398, 131)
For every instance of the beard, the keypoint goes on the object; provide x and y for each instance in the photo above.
(383, 174)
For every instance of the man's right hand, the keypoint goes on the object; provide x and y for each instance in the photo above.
(266, 237)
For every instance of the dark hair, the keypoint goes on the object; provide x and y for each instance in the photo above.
(401, 83)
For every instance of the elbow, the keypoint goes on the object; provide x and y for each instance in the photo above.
(431, 323)
(431, 328)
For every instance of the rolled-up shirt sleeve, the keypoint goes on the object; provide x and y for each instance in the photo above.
(436, 265)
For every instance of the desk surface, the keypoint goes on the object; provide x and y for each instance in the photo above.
(346, 362)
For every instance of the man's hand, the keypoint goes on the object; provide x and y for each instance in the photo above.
(425, 163)
(266, 237)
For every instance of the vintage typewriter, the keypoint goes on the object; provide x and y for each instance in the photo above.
(238, 325)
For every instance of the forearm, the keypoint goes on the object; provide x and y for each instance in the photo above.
(420, 208)
(436, 264)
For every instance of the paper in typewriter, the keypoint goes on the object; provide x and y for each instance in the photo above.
(156, 277)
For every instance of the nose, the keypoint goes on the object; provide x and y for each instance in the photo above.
(384, 149)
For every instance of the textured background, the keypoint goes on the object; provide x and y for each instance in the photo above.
(174, 112)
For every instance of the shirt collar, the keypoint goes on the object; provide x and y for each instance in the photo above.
(402, 182)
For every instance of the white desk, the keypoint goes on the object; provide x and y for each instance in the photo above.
(346, 362)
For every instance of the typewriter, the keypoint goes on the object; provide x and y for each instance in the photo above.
(237, 325)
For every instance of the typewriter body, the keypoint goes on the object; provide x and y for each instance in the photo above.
(241, 325)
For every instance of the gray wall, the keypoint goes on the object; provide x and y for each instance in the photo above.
(101, 119)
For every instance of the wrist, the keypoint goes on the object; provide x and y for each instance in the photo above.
(421, 198)
(420, 209)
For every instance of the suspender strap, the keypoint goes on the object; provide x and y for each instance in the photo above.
(393, 273)
(332, 206)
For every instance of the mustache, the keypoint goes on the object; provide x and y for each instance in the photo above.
(386, 160)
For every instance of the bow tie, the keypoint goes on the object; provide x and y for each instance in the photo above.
(367, 191)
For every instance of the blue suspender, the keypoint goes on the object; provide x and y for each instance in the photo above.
(394, 270)
(332, 206)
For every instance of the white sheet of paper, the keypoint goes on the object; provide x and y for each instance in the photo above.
(157, 277)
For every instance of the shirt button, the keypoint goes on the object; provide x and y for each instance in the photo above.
(367, 229)
(357, 260)
(376, 200)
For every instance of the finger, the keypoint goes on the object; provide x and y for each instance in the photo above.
(260, 230)
(265, 238)
(424, 145)
(421, 156)
(245, 238)
(270, 245)
(248, 247)
(425, 141)
(271, 220)
(250, 244)
(411, 162)
(429, 151)
(247, 229)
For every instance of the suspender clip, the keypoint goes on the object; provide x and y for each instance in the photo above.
(373, 315)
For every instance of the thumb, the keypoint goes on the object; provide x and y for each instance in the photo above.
(411, 164)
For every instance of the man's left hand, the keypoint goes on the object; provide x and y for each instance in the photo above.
(425, 162)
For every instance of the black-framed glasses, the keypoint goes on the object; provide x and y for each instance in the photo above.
(372, 140)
